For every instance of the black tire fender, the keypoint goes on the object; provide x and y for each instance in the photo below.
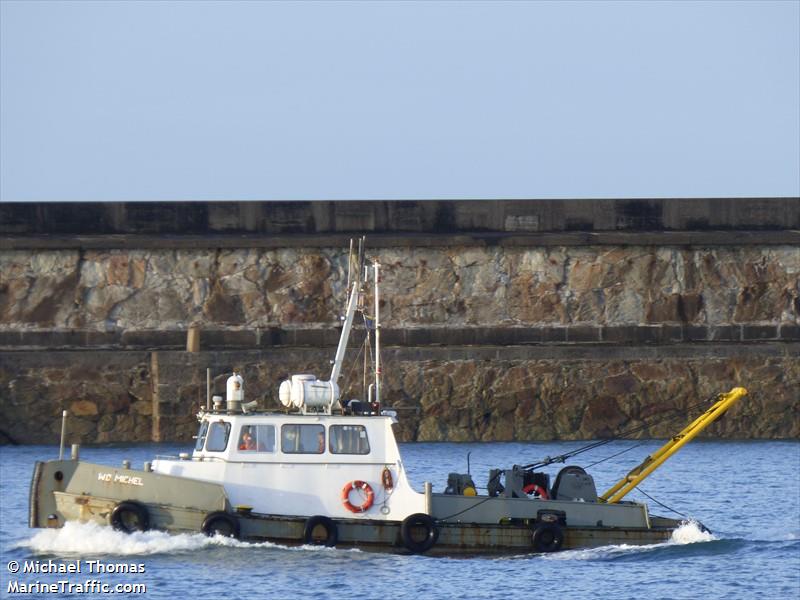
(331, 531)
(129, 516)
(416, 521)
(221, 523)
(547, 537)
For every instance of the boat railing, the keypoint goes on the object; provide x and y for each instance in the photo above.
(184, 457)
(166, 457)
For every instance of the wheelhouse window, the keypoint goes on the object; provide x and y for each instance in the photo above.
(302, 439)
(348, 439)
(218, 434)
(201, 436)
(257, 438)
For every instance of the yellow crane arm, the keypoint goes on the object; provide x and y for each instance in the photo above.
(652, 462)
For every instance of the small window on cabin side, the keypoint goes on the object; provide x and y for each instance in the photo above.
(218, 434)
(302, 439)
(201, 436)
(348, 439)
(257, 438)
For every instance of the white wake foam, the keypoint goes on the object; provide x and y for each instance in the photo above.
(94, 539)
(689, 532)
(599, 553)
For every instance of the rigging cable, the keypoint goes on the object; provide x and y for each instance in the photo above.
(602, 460)
(662, 505)
(461, 512)
(355, 362)
(563, 457)
(367, 348)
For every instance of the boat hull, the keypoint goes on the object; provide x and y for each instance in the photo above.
(63, 491)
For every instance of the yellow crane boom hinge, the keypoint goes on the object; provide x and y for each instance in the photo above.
(620, 489)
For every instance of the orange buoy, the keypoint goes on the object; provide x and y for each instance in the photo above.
(357, 485)
(532, 488)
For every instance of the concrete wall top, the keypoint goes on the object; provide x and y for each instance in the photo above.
(399, 217)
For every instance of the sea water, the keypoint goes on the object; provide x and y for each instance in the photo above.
(746, 492)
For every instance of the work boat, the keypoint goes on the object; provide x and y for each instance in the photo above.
(329, 472)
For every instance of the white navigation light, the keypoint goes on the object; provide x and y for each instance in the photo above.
(235, 389)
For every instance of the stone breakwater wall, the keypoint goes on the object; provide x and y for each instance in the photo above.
(442, 394)
(731, 292)
(510, 325)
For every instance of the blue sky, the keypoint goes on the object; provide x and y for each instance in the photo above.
(393, 100)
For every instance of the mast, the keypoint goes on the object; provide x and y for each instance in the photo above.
(355, 291)
(348, 323)
(349, 263)
(308, 393)
(376, 267)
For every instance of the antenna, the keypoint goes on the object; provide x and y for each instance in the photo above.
(208, 389)
(349, 263)
(361, 257)
(377, 326)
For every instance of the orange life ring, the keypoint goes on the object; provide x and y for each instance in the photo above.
(360, 485)
(532, 488)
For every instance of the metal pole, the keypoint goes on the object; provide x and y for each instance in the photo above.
(349, 265)
(428, 497)
(377, 338)
(63, 434)
(208, 389)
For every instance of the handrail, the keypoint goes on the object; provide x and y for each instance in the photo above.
(655, 460)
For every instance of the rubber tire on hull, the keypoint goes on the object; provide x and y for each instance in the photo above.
(129, 516)
(331, 531)
(415, 521)
(547, 537)
(220, 523)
